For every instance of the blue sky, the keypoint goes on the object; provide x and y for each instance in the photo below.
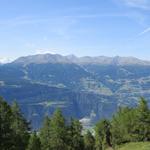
(80, 27)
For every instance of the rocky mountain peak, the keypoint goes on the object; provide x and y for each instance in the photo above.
(100, 60)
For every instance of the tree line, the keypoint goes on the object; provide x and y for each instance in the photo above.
(56, 133)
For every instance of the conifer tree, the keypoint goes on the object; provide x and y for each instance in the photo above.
(6, 133)
(34, 142)
(102, 135)
(142, 125)
(45, 134)
(123, 123)
(75, 135)
(131, 124)
(20, 128)
(89, 141)
(53, 134)
(58, 130)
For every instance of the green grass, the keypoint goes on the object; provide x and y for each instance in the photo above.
(135, 146)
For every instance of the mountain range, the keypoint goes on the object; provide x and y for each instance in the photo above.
(69, 59)
(88, 88)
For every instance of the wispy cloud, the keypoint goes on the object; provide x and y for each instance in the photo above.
(58, 25)
(18, 21)
(145, 31)
(98, 15)
(29, 20)
(141, 4)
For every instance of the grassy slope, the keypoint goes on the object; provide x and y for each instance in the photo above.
(135, 146)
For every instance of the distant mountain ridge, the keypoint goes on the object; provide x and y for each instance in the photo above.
(87, 88)
(56, 58)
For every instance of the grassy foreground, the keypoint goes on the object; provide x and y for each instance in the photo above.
(135, 146)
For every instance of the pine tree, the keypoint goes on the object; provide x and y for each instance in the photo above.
(6, 133)
(131, 124)
(53, 134)
(89, 141)
(34, 142)
(123, 126)
(103, 135)
(75, 135)
(45, 134)
(20, 128)
(58, 138)
(142, 128)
